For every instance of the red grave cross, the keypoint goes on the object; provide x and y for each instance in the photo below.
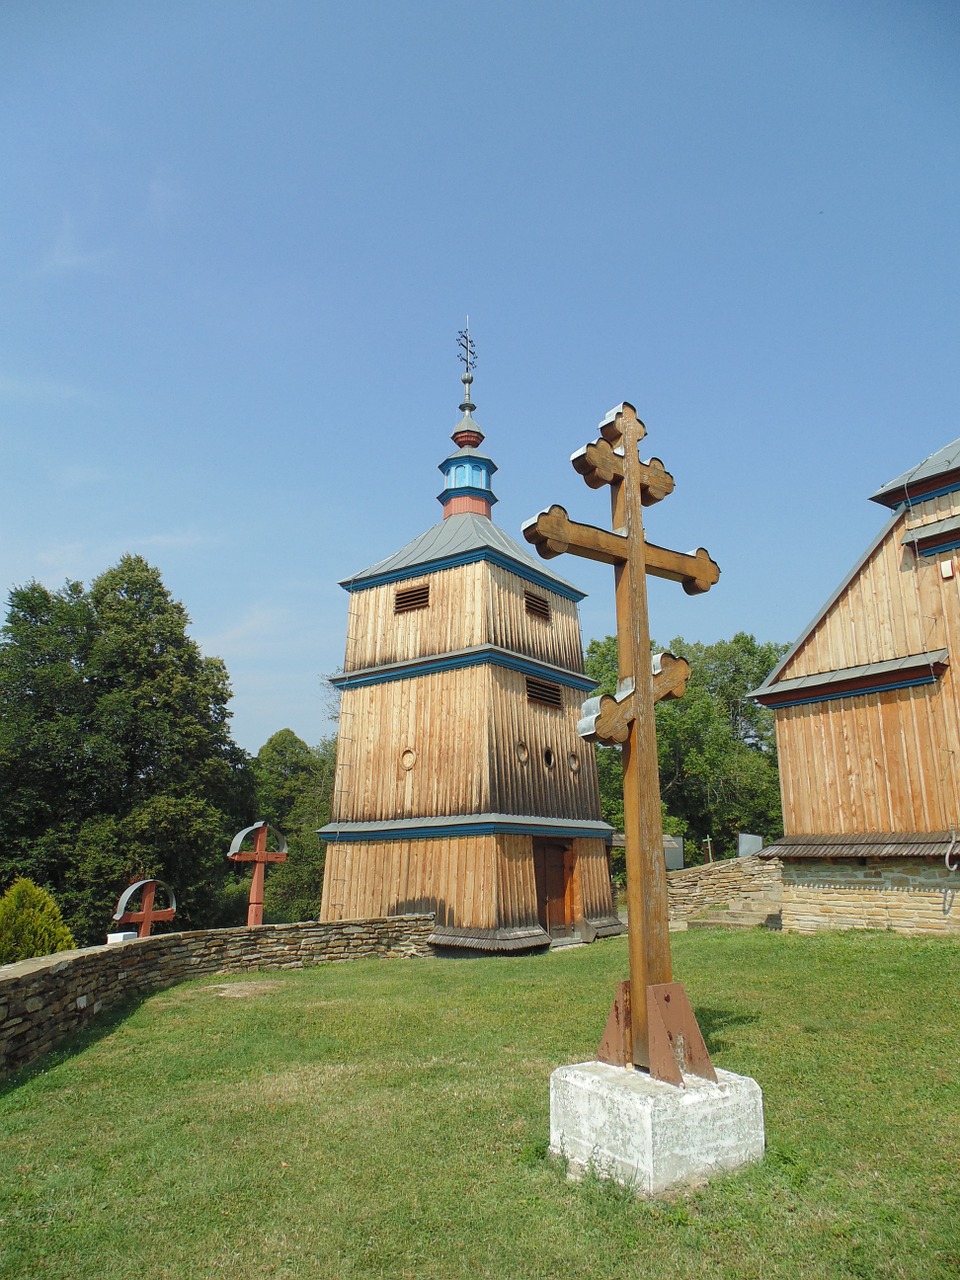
(146, 916)
(259, 855)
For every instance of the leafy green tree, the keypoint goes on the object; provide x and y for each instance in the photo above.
(716, 748)
(30, 923)
(294, 783)
(116, 761)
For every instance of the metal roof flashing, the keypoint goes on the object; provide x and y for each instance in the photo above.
(940, 463)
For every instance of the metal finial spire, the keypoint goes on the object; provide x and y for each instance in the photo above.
(468, 356)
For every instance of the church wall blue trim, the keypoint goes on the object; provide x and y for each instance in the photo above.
(440, 828)
(483, 656)
(926, 677)
(468, 491)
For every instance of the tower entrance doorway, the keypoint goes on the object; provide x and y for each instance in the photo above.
(554, 868)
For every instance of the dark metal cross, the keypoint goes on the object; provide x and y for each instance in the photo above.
(651, 1024)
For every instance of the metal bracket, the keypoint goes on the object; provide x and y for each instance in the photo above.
(676, 1046)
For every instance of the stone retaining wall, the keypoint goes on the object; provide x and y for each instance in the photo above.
(908, 895)
(752, 883)
(45, 999)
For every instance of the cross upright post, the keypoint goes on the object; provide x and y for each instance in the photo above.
(259, 855)
(650, 1024)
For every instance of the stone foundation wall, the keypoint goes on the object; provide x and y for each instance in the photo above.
(45, 999)
(908, 895)
(736, 883)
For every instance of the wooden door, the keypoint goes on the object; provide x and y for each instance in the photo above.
(553, 866)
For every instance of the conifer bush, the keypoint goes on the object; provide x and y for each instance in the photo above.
(30, 923)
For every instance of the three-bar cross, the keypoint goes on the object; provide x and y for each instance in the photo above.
(651, 1024)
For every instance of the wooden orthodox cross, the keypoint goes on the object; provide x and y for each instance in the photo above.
(146, 916)
(259, 856)
(651, 1023)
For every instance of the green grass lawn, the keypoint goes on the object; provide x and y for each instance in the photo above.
(390, 1119)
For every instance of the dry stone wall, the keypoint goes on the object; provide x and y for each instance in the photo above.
(738, 883)
(45, 999)
(908, 895)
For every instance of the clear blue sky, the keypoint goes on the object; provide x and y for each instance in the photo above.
(237, 241)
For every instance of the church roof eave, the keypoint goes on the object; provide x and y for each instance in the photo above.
(460, 539)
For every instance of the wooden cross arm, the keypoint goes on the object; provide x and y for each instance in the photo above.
(607, 719)
(552, 532)
(257, 855)
(695, 572)
(600, 463)
(137, 917)
(670, 676)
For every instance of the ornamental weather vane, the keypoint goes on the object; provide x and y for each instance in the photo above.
(651, 1024)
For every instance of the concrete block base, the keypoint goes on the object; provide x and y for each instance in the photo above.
(653, 1136)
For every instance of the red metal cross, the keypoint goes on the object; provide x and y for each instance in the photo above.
(146, 916)
(259, 856)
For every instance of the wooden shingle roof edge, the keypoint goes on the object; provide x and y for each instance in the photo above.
(868, 844)
(869, 677)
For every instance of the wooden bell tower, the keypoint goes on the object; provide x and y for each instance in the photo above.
(462, 785)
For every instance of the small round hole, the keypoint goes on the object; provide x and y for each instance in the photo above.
(408, 759)
(548, 757)
(574, 761)
(523, 752)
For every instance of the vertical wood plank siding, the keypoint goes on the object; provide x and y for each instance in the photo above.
(887, 761)
(568, 788)
(593, 872)
(470, 605)
(467, 730)
(456, 878)
(483, 882)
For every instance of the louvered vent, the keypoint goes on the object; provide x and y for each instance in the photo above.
(411, 598)
(543, 691)
(538, 606)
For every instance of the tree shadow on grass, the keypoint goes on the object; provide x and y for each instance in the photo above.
(98, 1028)
(715, 1023)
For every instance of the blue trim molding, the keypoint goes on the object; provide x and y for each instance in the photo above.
(917, 499)
(527, 572)
(927, 677)
(485, 655)
(934, 548)
(467, 491)
(447, 828)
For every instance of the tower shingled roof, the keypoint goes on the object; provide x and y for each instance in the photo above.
(456, 538)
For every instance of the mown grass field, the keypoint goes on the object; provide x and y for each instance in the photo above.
(390, 1119)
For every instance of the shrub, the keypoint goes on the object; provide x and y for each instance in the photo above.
(30, 923)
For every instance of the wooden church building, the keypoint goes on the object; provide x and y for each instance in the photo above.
(462, 785)
(867, 707)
